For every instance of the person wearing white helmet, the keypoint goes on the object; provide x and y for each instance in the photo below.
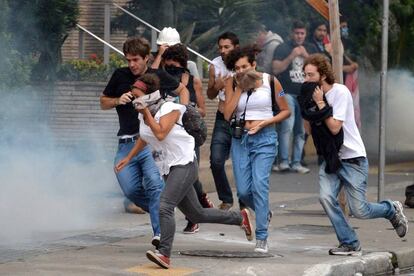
(169, 37)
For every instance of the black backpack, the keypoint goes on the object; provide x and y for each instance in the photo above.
(195, 125)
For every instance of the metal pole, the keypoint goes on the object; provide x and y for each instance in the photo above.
(100, 39)
(154, 36)
(81, 46)
(383, 90)
(107, 32)
(157, 30)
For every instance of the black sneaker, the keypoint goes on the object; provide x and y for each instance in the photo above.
(191, 228)
(399, 220)
(346, 250)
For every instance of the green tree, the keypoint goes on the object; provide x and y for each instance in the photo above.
(15, 67)
(40, 28)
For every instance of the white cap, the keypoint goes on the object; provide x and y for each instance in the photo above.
(168, 36)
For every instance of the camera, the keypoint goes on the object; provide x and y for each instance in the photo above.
(237, 127)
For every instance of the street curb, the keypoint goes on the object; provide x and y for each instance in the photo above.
(378, 263)
(403, 258)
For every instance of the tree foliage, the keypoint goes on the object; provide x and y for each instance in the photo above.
(39, 28)
(201, 21)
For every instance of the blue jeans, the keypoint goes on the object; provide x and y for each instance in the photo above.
(354, 179)
(252, 157)
(292, 125)
(141, 182)
(219, 153)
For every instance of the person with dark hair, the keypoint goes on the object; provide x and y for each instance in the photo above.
(268, 42)
(140, 181)
(287, 66)
(319, 38)
(353, 171)
(221, 138)
(250, 106)
(174, 155)
(175, 63)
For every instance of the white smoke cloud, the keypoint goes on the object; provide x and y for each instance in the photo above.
(44, 187)
(399, 113)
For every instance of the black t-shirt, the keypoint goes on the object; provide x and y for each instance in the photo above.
(292, 78)
(121, 82)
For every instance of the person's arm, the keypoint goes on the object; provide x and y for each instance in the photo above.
(232, 98)
(183, 93)
(111, 102)
(157, 60)
(333, 124)
(139, 145)
(201, 103)
(167, 121)
(279, 66)
(214, 86)
(284, 111)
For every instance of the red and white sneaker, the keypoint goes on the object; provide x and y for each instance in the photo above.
(191, 228)
(159, 259)
(246, 224)
(205, 201)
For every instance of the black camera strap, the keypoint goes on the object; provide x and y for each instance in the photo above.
(243, 115)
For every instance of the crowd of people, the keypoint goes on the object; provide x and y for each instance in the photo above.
(266, 98)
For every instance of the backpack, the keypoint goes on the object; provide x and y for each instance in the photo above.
(195, 125)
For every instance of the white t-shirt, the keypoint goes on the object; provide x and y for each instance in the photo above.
(177, 148)
(340, 99)
(220, 69)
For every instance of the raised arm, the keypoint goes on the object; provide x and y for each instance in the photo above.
(232, 98)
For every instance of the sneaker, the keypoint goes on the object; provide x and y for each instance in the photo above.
(156, 241)
(246, 224)
(225, 206)
(159, 259)
(399, 220)
(346, 250)
(275, 168)
(191, 228)
(205, 201)
(261, 246)
(300, 169)
(284, 167)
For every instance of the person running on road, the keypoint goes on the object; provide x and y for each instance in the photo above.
(175, 157)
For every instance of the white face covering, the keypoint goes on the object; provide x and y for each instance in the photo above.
(152, 101)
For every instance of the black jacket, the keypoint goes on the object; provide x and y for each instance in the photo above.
(327, 145)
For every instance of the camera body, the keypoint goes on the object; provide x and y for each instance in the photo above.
(237, 127)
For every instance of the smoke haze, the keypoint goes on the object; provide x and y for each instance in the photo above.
(44, 187)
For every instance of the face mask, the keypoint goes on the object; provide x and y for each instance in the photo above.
(345, 32)
(152, 101)
(175, 71)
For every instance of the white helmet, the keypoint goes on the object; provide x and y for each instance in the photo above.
(168, 36)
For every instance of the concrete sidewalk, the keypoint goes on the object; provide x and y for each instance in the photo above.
(300, 237)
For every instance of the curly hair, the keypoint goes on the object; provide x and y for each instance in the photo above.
(249, 51)
(321, 62)
(152, 81)
(178, 53)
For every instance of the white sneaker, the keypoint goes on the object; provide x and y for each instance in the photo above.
(284, 167)
(300, 169)
(261, 246)
(275, 168)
